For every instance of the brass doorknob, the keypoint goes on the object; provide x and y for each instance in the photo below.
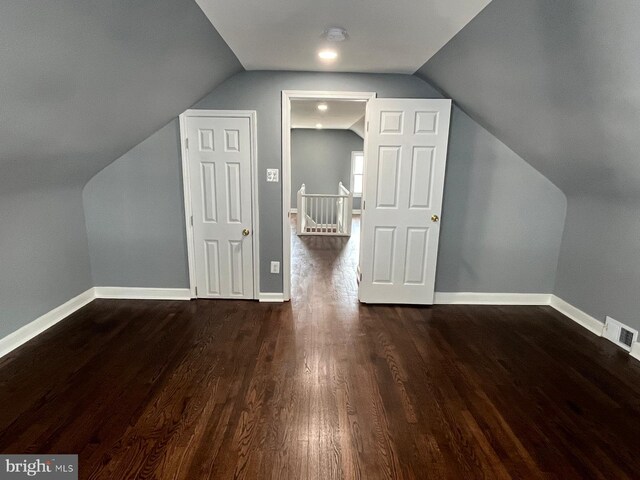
(245, 232)
(435, 218)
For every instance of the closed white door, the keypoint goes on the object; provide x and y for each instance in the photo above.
(405, 159)
(219, 155)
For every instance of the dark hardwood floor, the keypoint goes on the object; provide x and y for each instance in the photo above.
(323, 388)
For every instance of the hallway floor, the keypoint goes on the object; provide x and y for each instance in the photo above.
(324, 268)
(323, 388)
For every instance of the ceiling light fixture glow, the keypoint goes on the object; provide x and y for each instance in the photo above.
(318, 125)
(323, 107)
(328, 55)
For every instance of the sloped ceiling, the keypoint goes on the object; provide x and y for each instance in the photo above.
(83, 81)
(384, 36)
(559, 83)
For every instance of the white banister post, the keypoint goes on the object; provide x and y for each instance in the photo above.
(300, 216)
(349, 203)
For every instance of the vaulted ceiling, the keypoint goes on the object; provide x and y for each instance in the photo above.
(384, 36)
(82, 82)
(558, 82)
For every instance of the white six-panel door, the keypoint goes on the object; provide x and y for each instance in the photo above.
(219, 159)
(405, 163)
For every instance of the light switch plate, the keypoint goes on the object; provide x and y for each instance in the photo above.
(273, 175)
(275, 267)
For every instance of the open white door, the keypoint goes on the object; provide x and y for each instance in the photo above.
(219, 152)
(405, 160)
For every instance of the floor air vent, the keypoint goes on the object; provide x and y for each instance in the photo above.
(626, 337)
(619, 333)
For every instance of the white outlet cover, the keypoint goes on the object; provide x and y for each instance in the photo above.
(275, 267)
(273, 175)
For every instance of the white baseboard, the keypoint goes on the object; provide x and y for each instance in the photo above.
(39, 325)
(143, 293)
(474, 298)
(270, 297)
(577, 315)
(42, 323)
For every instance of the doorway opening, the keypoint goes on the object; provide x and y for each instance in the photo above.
(323, 177)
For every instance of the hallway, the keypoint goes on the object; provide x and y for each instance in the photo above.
(324, 268)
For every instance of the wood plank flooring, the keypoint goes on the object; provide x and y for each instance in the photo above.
(323, 388)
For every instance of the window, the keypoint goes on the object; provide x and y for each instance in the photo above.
(357, 171)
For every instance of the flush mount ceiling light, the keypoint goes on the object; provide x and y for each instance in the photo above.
(335, 34)
(328, 55)
(323, 107)
(318, 125)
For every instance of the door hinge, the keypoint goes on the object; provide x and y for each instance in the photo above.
(186, 143)
(367, 126)
(196, 291)
(192, 220)
(363, 204)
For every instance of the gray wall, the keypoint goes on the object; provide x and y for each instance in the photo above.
(558, 83)
(82, 82)
(135, 216)
(599, 268)
(322, 158)
(502, 220)
(492, 206)
(44, 257)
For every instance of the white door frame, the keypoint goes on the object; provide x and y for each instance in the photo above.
(287, 96)
(186, 186)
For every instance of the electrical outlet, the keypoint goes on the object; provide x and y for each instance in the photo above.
(273, 175)
(275, 267)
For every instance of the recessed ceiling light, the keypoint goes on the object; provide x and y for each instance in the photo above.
(335, 34)
(328, 54)
(318, 125)
(323, 107)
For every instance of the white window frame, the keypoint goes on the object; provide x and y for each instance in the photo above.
(353, 154)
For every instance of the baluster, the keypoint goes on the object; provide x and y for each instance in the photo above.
(324, 214)
(315, 214)
(332, 220)
(344, 216)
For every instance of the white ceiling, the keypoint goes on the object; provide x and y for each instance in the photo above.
(386, 36)
(340, 114)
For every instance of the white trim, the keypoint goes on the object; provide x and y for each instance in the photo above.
(293, 210)
(353, 153)
(42, 323)
(287, 96)
(356, 211)
(186, 186)
(474, 298)
(143, 293)
(188, 211)
(635, 351)
(271, 297)
(587, 321)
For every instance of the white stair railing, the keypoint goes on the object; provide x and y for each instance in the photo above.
(324, 214)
